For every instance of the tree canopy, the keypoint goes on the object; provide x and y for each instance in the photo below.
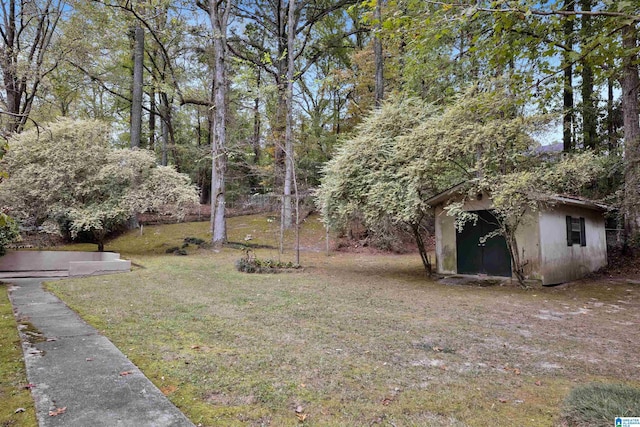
(239, 94)
(68, 173)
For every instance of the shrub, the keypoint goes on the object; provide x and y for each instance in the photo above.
(69, 173)
(194, 241)
(598, 404)
(8, 232)
(251, 264)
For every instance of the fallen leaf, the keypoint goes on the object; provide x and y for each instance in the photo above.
(17, 411)
(302, 417)
(195, 347)
(303, 385)
(502, 400)
(57, 412)
(386, 401)
(443, 367)
(437, 349)
(538, 383)
(169, 389)
(516, 371)
(125, 373)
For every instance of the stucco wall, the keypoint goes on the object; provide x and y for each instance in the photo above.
(528, 239)
(562, 263)
(445, 242)
(75, 263)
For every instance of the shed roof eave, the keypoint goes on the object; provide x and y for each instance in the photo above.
(572, 201)
(553, 198)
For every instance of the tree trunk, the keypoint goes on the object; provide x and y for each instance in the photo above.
(630, 88)
(256, 119)
(589, 113)
(377, 52)
(164, 159)
(136, 96)
(219, 14)
(288, 137)
(280, 127)
(518, 267)
(567, 91)
(152, 119)
(611, 127)
(421, 248)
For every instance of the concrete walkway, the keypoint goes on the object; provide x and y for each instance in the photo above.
(70, 365)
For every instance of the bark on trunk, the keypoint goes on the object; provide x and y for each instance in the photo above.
(218, 14)
(377, 51)
(589, 113)
(256, 119)
(611, 127)
(164, 159)
(152, 120)
(288, 137)
(567, 91)
(136, 96)
(421, 248)
(630, 87)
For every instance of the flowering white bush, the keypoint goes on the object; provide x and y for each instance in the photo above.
(69, 172)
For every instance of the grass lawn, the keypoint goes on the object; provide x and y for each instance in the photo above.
(354, 339)
(14, 397)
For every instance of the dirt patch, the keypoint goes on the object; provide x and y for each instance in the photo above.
(621, 264)
(477, 281)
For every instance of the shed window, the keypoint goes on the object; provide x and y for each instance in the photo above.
(576, 231)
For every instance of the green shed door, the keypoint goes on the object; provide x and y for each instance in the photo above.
(491, 258)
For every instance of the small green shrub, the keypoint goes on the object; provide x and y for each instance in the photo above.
(598, 404)
(9, 232)
(251, 264)
(194, 241)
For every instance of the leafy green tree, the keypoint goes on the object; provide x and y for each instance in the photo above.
(67, 172)
(372, 176)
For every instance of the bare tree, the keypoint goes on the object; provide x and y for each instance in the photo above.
(26, 35)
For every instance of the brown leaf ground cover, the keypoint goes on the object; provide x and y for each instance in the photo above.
(354, 339)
